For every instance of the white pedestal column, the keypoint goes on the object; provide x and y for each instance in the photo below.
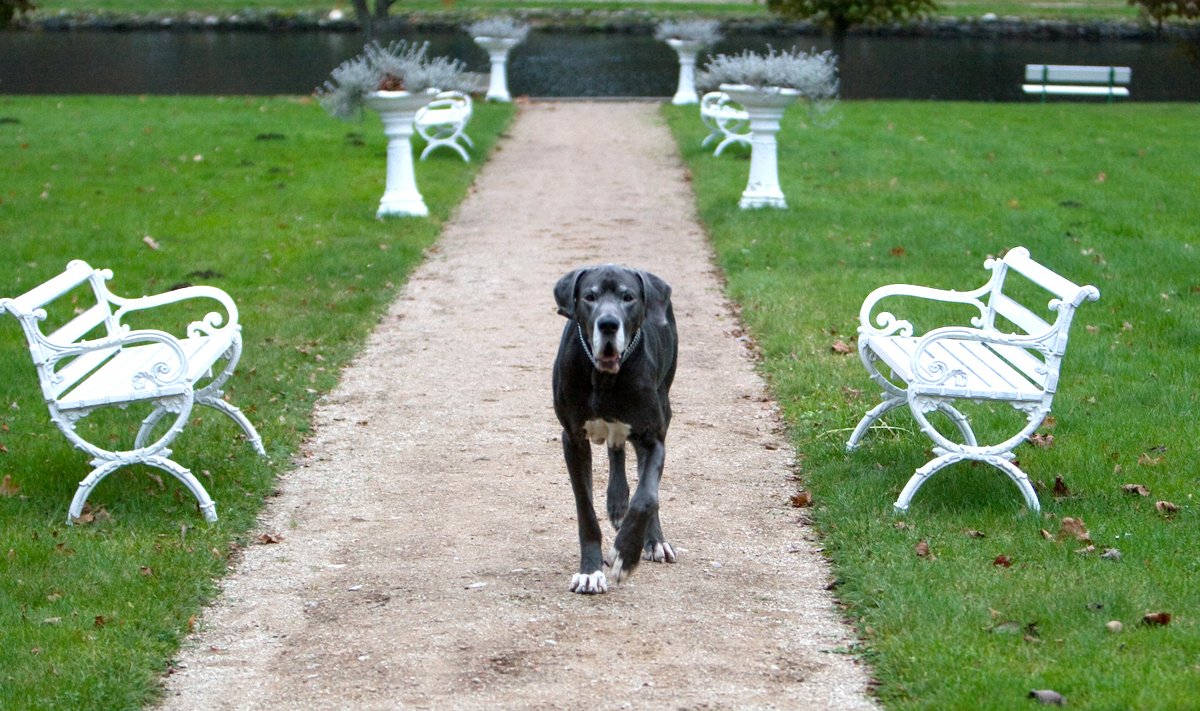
(397, 109)
(765, 107)
(687, 51)
(497, 49)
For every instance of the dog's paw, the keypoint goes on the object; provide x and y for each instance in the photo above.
(621, 567)
(660, 552)
(594, 584)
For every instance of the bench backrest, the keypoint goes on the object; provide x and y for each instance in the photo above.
(60, 366)
(1066, 296)
(1072, 74)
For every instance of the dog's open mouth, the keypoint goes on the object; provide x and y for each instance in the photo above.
(609, 360)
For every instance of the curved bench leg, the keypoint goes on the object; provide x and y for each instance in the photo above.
(1020, 479)
(864, 425)
(960, 420)
(97, 475)
(1000, 462)
(921, 476)
(148, 426)
(217, 403)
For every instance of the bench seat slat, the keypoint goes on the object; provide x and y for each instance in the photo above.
(987, 375)
(79, 368)
(113, 381)
(1074, 90)
(1077, 73)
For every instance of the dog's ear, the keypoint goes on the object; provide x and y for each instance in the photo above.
(564, 292)
(656, 294)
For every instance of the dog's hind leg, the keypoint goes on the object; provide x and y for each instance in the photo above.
(643, 510)
(590, 579)
(618, 486)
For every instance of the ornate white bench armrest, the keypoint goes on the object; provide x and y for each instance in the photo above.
(887, 324)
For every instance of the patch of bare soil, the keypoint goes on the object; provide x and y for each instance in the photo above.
(428, 529)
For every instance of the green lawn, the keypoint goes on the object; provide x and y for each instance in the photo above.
(922, 193)
(1088, 9)
(269, 199)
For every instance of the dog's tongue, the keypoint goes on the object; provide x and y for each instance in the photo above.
(609, 360)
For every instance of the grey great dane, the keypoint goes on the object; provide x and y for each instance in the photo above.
(611, 383)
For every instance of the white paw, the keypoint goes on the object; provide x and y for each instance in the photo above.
(617, 570)
(593, 584)
(660, 553)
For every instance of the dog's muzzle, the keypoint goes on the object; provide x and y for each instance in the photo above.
(607, 348)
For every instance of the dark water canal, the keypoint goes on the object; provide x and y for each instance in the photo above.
(563, 65)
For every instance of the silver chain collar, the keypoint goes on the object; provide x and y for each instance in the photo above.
(637, 338)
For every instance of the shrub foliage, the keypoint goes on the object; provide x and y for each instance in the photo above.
(840, 15)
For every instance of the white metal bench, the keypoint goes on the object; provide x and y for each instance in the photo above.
(981, 362)
(1072, 80)
(87, 359)
(443, 123)
(726, 120)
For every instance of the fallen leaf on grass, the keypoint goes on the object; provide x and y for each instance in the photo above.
(1114, 626)
(1049, 697)
(898, 251)
(1045, 441)
(268, 539)
(1166, 508)
(802, 500)
(1073, 528)
(1145, 459)
(1111, 554)
(972, 533)
(8, 488)
(1156, 619)
(922, 549)
(1137, 489)
(92, 515)
(1060, 488)
(151, 242)
(841, 347)
(1002, 561)
(99, 621)
(1046, 534)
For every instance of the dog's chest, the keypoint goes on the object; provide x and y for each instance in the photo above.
(608, 432)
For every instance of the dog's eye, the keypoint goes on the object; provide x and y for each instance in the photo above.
(589, 298)
(628, 297)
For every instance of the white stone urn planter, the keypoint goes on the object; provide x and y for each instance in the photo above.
(687, 51)
(498, 49)
(398, 109)
(765, 106)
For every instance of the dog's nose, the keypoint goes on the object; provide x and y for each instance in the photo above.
(608, 325)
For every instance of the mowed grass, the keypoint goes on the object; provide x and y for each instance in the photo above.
(1089, 9)
(923, 193)
(267, 198)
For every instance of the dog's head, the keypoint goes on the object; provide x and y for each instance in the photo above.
(611, 303)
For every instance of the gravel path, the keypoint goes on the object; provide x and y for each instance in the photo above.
(428, 532)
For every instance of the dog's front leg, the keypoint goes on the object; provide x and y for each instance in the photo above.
(643, 509)
(590, 579)
(618, 487)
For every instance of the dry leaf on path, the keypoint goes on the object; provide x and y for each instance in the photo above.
(802, 500)
(268, 538)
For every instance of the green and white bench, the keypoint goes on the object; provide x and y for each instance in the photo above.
(87, 359)
(1072, 80)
